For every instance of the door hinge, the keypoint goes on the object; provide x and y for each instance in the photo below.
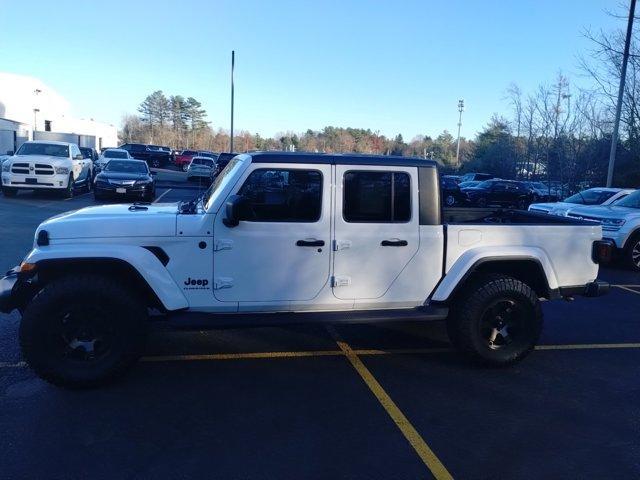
(341, 281)
(223, 245)
(222, 282)
(341, 245)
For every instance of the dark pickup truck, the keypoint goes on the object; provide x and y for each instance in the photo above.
(155, 156)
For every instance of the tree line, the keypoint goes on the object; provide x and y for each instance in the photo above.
(556, 132)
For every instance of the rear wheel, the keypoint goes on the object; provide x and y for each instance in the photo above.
(482, 202)
(632, 253)
(9, 192)
(82, 331)
(496, 320)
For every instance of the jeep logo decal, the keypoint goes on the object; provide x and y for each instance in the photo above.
(196, 284)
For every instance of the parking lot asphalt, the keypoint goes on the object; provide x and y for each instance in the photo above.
(356, 401)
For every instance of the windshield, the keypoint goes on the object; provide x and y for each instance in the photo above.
(485, 184)
(49, 149)
(590, 197)
(115, 154)
(126, 167)
(220, 180)
(632, 200)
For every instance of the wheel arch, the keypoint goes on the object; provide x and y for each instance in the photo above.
(140, 268)
(528, 269)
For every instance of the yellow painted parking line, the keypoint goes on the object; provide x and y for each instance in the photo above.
(425, 453)
(163, 194)
(240, 356)
(624, 287)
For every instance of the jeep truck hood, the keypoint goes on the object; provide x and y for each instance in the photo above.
(104, 221)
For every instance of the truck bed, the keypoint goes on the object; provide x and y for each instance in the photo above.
(561, 246)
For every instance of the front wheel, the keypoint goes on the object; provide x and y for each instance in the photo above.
(185, 167)
(632, 253)
(68, 192)
(9, 192)
(82, 331)
(449, 200)
(496, 320)
(482, 202)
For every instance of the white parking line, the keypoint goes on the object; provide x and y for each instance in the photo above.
(163, 194)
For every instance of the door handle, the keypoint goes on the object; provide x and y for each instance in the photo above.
(310, 243)
(394, 243)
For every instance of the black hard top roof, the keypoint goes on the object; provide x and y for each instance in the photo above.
(340, 159)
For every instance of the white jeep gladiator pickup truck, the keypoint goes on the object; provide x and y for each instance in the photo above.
(291, 237)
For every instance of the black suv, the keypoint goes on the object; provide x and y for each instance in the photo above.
(499, 192)
(155, 156)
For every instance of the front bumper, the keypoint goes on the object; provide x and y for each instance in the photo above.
(7, 286)
(15, 180)
(130, 191)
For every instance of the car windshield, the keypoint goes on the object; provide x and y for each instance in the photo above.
(126, 167)
(202, 161)
(49, 149)
(632, 200)
(220, 180)
(485, 184)
(115, 154)
(471, 183)
(590, 197)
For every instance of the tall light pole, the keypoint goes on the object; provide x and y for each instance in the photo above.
(460, 109)
(233, 63)
(623, 75)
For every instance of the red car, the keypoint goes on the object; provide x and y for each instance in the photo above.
(184, 159)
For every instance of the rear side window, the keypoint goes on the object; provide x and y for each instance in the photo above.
(377, 197)
(281, 195)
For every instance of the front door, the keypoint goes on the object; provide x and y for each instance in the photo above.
(376, 228)
(280, 251)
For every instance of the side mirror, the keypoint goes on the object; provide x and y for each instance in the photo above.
(9, 152)
(233, 210)
(78, 157)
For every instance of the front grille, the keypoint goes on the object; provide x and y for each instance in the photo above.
(22, 168)
(43, 169)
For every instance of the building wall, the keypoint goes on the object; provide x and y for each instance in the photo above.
(20, 95)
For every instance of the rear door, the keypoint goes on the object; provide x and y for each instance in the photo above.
(376, 228)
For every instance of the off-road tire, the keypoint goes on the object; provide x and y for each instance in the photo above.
(103, 304)
(470, 310)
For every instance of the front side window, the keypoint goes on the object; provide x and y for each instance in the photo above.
(377, 197)
(282, 195)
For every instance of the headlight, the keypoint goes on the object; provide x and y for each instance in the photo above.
(6, 167)
(143, 182)
(62, 170)
(612, 223)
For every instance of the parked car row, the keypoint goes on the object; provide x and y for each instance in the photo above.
(485, 193)
(616, 209)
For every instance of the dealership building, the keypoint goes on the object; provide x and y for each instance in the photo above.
(31, 110)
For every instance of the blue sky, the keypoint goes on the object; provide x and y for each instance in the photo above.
(393, 66)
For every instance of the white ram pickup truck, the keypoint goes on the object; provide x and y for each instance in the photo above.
(49, 165)
(291, 237)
